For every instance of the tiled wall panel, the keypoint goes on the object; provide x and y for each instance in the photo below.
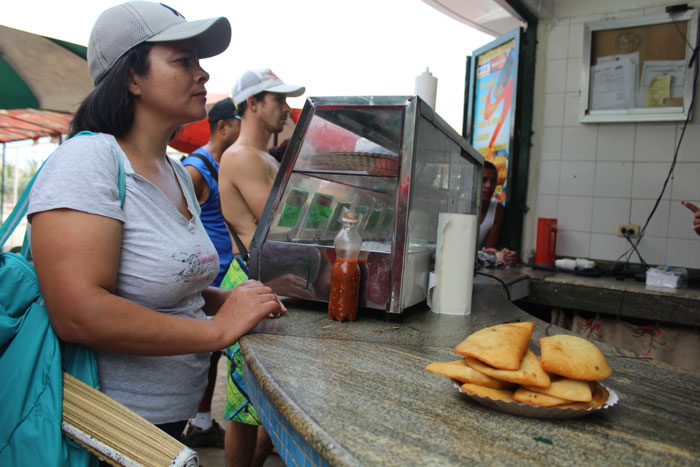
(593, 177)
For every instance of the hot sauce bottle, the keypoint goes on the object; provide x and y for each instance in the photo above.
(345, 273)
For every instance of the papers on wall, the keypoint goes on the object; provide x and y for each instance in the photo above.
(617, 84)
(633, 57)
(613, 85)
(658, 91)
(656, 75)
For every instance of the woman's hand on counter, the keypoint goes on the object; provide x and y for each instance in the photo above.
(245, 306)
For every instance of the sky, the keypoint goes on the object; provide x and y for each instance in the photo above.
(333, 47)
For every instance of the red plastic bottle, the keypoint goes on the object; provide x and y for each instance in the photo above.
(546, 251)
(345, 273)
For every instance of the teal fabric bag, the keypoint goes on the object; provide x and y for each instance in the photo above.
(32, 361)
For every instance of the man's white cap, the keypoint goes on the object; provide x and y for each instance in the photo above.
(254, 81)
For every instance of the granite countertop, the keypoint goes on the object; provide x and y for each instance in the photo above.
(358, 393)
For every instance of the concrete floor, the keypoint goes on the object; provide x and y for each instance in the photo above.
(213, 457)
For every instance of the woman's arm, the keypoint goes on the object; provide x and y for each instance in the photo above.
(76, 257)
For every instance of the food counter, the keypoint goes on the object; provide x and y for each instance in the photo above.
(357, 393)
(626, 299)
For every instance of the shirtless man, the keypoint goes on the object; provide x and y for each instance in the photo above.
(247, 169)
(246, 175)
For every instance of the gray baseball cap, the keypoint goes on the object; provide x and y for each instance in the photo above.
(254, 81)
(120, 28)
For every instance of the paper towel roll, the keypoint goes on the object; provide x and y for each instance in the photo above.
(454, 264)
(426, 87)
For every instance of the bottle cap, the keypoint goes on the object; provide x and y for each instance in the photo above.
(350, 216)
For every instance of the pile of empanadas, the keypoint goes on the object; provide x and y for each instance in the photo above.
(498, 364)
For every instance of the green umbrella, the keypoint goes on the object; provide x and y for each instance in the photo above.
(41, 73)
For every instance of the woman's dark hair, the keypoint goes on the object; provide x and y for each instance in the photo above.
(109, 108)
(244, 105)
(489, 165)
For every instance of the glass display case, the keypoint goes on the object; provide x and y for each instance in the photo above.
(390, 159)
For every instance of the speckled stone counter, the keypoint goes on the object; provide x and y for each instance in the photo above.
(357, 394)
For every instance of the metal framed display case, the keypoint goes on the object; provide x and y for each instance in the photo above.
(390, 159)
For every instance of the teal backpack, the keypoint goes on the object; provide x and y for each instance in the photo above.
(32, 360)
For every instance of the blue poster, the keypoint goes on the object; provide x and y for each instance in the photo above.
(495, 93)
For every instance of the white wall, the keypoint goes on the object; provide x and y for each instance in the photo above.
(592, 177)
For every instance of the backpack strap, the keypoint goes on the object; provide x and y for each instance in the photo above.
(210, 167)
(17, 214)
(242, 250)
(20, 209)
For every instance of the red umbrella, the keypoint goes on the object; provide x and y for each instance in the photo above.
(196, 134)
(191, 136)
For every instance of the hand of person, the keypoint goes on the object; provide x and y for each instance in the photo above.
(504, 256)
(696, 218)
(509, 256)
(245, 306)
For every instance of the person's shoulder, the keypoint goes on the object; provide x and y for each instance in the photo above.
(192, 162)
(82, 174)
(241, 155)
(85, 140)
(193, 156)
(86, 150)
(238, 149)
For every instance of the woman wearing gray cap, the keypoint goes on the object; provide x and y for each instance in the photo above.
(129, 276)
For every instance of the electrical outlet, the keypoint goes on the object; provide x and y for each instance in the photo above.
(628, 230)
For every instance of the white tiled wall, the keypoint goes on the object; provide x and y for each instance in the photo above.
(593, 177)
